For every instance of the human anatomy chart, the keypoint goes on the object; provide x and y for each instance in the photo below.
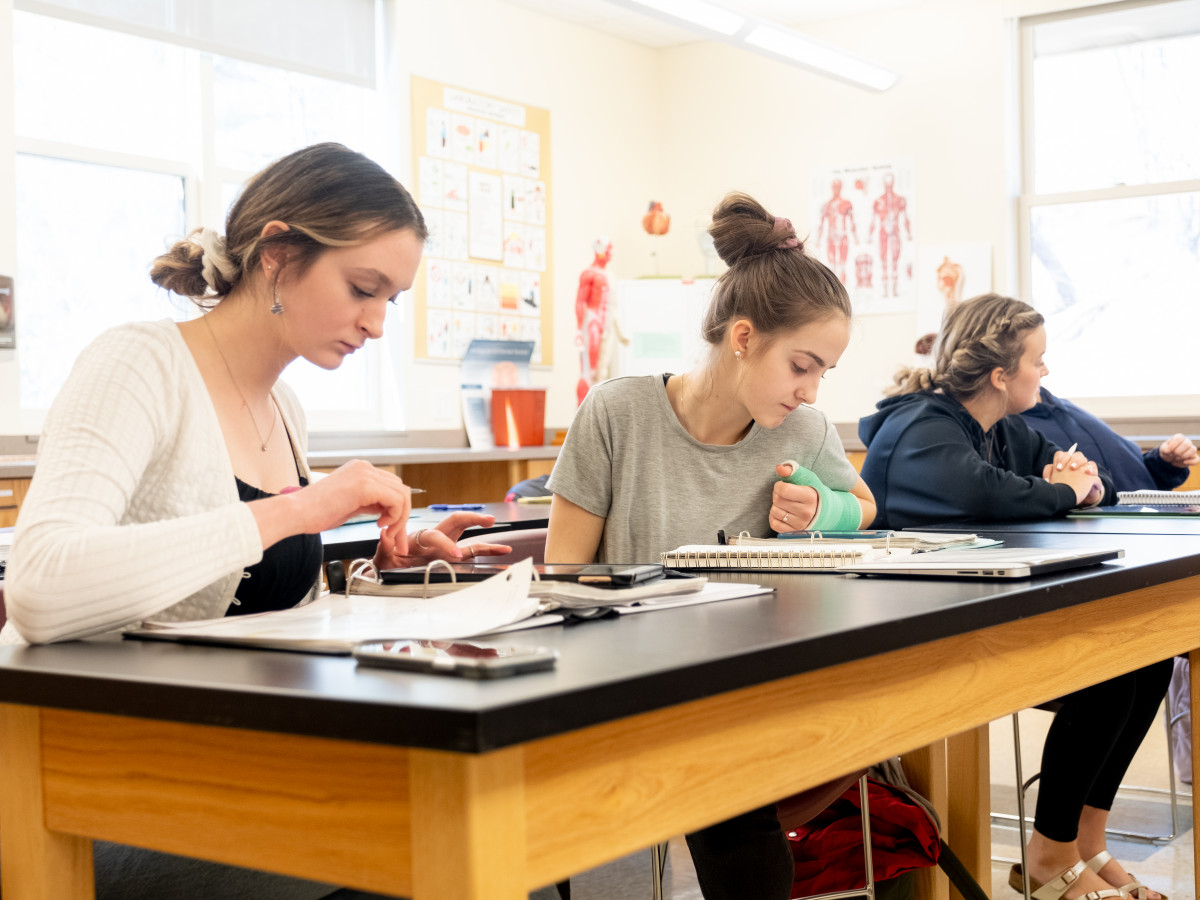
(482, 181)
(863, 226)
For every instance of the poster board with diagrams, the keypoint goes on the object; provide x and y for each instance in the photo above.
(482, 176)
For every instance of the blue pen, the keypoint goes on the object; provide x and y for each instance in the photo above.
(446, 506)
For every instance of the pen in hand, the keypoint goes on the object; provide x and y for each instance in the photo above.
(1070, 450)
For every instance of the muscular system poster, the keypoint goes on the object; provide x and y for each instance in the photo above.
(863, 226)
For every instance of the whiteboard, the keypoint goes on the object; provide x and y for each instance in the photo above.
(661, 319)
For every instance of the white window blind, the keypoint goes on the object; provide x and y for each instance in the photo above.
(328, 38)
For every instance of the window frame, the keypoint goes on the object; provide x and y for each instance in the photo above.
(203, 180)
(1028, 200)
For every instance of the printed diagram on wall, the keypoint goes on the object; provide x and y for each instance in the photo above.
(483, 184)
(947, 274)
(864, 229)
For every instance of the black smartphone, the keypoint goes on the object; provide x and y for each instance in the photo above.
(600, 574)
(467, 659)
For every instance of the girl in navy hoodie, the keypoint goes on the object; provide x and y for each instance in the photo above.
(950, 445)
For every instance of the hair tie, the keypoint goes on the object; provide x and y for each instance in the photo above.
(785, 225)
(213, 257)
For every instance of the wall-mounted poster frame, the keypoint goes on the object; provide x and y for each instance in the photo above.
(481, 173)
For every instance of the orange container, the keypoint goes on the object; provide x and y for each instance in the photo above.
(519, 416)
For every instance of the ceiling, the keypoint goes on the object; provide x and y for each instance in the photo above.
(652, 32)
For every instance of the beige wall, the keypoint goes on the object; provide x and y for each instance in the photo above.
(684, 125)
(606, 145)
(738, 121)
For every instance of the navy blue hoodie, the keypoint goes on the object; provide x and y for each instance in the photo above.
(928, 462)
(1132, 470)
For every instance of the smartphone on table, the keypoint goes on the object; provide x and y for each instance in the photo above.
(466, 659)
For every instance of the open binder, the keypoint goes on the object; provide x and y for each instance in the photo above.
(369, 611)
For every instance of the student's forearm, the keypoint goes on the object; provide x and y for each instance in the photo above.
(869, 511)
(574, 533)
(277, 518)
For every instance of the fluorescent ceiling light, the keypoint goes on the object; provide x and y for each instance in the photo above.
(766, 38)
(818, 55)
(697, 12)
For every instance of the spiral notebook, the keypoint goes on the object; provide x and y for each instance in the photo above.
(801, 558)
(1158, 498)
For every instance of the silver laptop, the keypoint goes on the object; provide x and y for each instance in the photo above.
(989, 562)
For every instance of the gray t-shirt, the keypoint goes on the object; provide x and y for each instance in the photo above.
(628, 458)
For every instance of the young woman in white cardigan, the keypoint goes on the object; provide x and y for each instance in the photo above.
(172, 479)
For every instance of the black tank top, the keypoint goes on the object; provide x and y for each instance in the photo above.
(286, 572)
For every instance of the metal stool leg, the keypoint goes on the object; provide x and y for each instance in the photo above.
(1171, 773)
(1020, 803)
(868, 888)
(658, 861)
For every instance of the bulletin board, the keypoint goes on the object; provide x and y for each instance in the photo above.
(481, 168)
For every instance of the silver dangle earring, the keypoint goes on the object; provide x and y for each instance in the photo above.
(738, 354)
(277, 307)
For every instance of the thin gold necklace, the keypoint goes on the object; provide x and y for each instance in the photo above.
(682, 415)
(245, 403)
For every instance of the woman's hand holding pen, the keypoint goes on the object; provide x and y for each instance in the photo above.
(1077, 472)
(1178, 451)
(440, 542)
(793, 506)
(1071, 459)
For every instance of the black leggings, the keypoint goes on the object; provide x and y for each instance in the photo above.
(1091, 743)
(744, 857)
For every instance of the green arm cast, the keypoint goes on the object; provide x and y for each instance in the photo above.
(836, 511)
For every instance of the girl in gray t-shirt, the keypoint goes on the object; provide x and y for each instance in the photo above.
(654, 462)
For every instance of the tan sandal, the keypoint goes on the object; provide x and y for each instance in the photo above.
(1134, 889)
(1056, 887)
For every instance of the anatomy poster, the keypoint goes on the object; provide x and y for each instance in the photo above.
(482, 175)
(863, 226)
(947, 274)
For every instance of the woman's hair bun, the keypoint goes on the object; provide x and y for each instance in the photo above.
(742, 227)
(181, 269)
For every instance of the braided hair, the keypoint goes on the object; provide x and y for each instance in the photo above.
(978, 336)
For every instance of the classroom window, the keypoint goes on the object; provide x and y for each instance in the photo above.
(83, 264)
(1110, 214)
(128, 138)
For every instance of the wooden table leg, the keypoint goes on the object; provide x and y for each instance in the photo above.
(39, 864)
(926, 772)
(468, 814)
(518, 471)
(969, 831)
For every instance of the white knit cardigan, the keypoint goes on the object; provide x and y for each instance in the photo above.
(133, 511)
